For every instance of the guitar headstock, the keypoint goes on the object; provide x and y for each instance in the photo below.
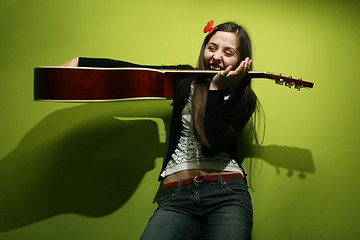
(282, 80)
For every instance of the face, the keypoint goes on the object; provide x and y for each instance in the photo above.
(222, 51)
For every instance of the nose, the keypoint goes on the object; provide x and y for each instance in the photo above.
(217, 56)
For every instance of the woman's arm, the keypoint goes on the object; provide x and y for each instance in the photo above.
(98, 62)
(111, 63)
(217, 130)
(72, 63)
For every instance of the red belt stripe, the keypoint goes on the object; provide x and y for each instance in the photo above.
(206, 178)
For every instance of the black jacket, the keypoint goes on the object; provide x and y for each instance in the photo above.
(216, 129)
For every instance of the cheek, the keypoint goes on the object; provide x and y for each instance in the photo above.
(207, 56)
(231, 61)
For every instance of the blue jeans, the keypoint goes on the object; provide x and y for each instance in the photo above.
(205, 210)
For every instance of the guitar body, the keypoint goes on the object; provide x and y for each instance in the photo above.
(80, 84)
(95, 84)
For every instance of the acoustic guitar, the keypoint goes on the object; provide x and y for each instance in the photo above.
(82, 84)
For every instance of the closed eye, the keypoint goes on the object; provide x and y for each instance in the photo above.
(212, 47)
(229, 52)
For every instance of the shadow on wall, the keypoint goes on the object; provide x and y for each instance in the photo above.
(290, 158)
(78, 160)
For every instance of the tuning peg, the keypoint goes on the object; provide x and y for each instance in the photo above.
(279, 81)
(298, 87)
(289, 84)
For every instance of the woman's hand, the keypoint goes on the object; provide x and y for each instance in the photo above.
(227, 78)
(72, 63)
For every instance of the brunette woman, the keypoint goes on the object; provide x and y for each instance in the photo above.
(205, 193)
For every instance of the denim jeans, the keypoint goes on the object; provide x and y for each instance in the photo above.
(205, 210)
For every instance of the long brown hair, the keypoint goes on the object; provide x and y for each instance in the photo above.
(242, 101)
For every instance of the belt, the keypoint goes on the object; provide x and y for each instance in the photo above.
(206, 178)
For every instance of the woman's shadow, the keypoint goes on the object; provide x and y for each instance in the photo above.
(85, 160)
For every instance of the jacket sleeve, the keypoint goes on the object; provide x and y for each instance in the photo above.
(111, 63)
(217, 131)
(104, 62)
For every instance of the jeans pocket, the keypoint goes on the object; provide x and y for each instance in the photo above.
(168, 194)
(237, 185)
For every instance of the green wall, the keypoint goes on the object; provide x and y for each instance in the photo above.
(74, 171)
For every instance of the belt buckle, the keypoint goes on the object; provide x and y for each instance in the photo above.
(197, 180)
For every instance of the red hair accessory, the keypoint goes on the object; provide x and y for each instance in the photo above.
(209, 27)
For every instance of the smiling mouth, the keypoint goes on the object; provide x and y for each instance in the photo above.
(213, 67)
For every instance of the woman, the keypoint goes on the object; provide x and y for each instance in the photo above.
(205, 194)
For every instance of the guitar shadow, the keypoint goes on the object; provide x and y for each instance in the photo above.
(83, 160)
(290, 158)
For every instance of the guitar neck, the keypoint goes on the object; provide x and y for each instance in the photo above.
(279, 79)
